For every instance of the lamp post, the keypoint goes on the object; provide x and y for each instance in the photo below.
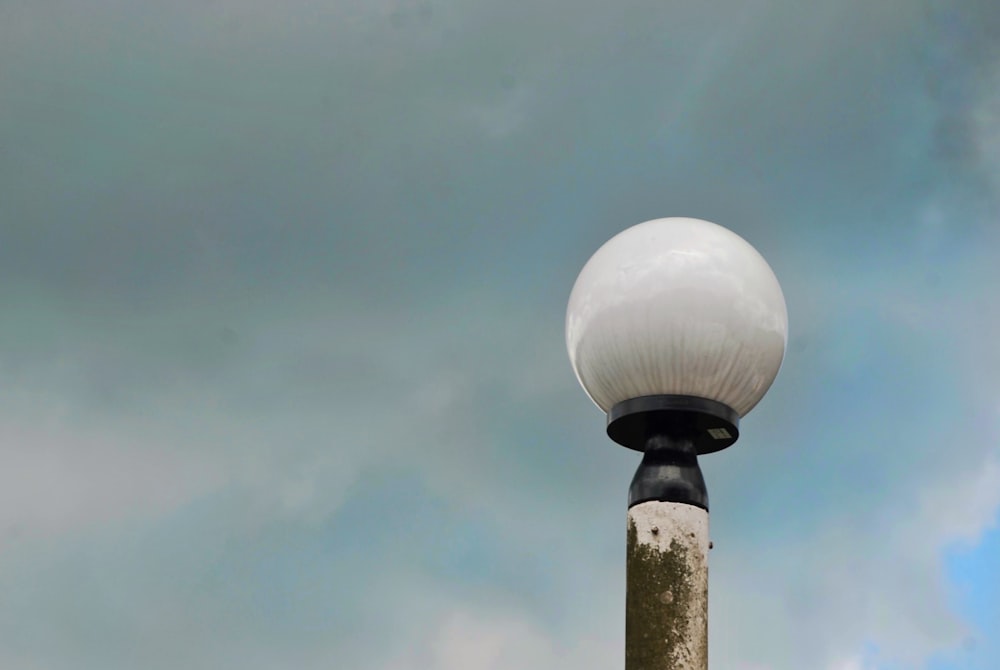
(676, 329)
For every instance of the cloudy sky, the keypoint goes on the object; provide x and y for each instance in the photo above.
(283, 286)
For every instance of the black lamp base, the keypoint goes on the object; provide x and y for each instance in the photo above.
(710, 425)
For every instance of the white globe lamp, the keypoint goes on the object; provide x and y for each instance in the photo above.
(678, 308)
(676, 328)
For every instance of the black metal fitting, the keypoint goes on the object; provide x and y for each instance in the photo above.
(710, 425)
(671, 431)
(669, 472)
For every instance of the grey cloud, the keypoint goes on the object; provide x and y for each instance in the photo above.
(325, 144)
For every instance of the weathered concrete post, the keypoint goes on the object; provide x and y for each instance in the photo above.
(666, 604)
(676, 328)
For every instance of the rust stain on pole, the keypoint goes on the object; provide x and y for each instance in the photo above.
(666, 618)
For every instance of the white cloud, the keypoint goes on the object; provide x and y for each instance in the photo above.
(856, 663)
(62, 474)
(482, 640)
(872, 581)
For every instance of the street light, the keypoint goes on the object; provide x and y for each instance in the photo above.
(676, 329)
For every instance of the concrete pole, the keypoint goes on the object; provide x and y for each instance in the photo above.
(666, 604)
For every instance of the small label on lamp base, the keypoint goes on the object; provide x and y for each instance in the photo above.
(719, 433)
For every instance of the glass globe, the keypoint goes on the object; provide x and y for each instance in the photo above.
(677, 306)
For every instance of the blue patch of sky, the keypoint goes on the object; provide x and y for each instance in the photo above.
(973, 575)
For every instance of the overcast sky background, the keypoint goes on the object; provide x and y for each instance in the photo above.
(282, 372)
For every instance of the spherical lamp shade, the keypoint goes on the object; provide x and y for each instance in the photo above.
(677, 307)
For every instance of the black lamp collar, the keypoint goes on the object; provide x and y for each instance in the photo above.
(710, 425)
